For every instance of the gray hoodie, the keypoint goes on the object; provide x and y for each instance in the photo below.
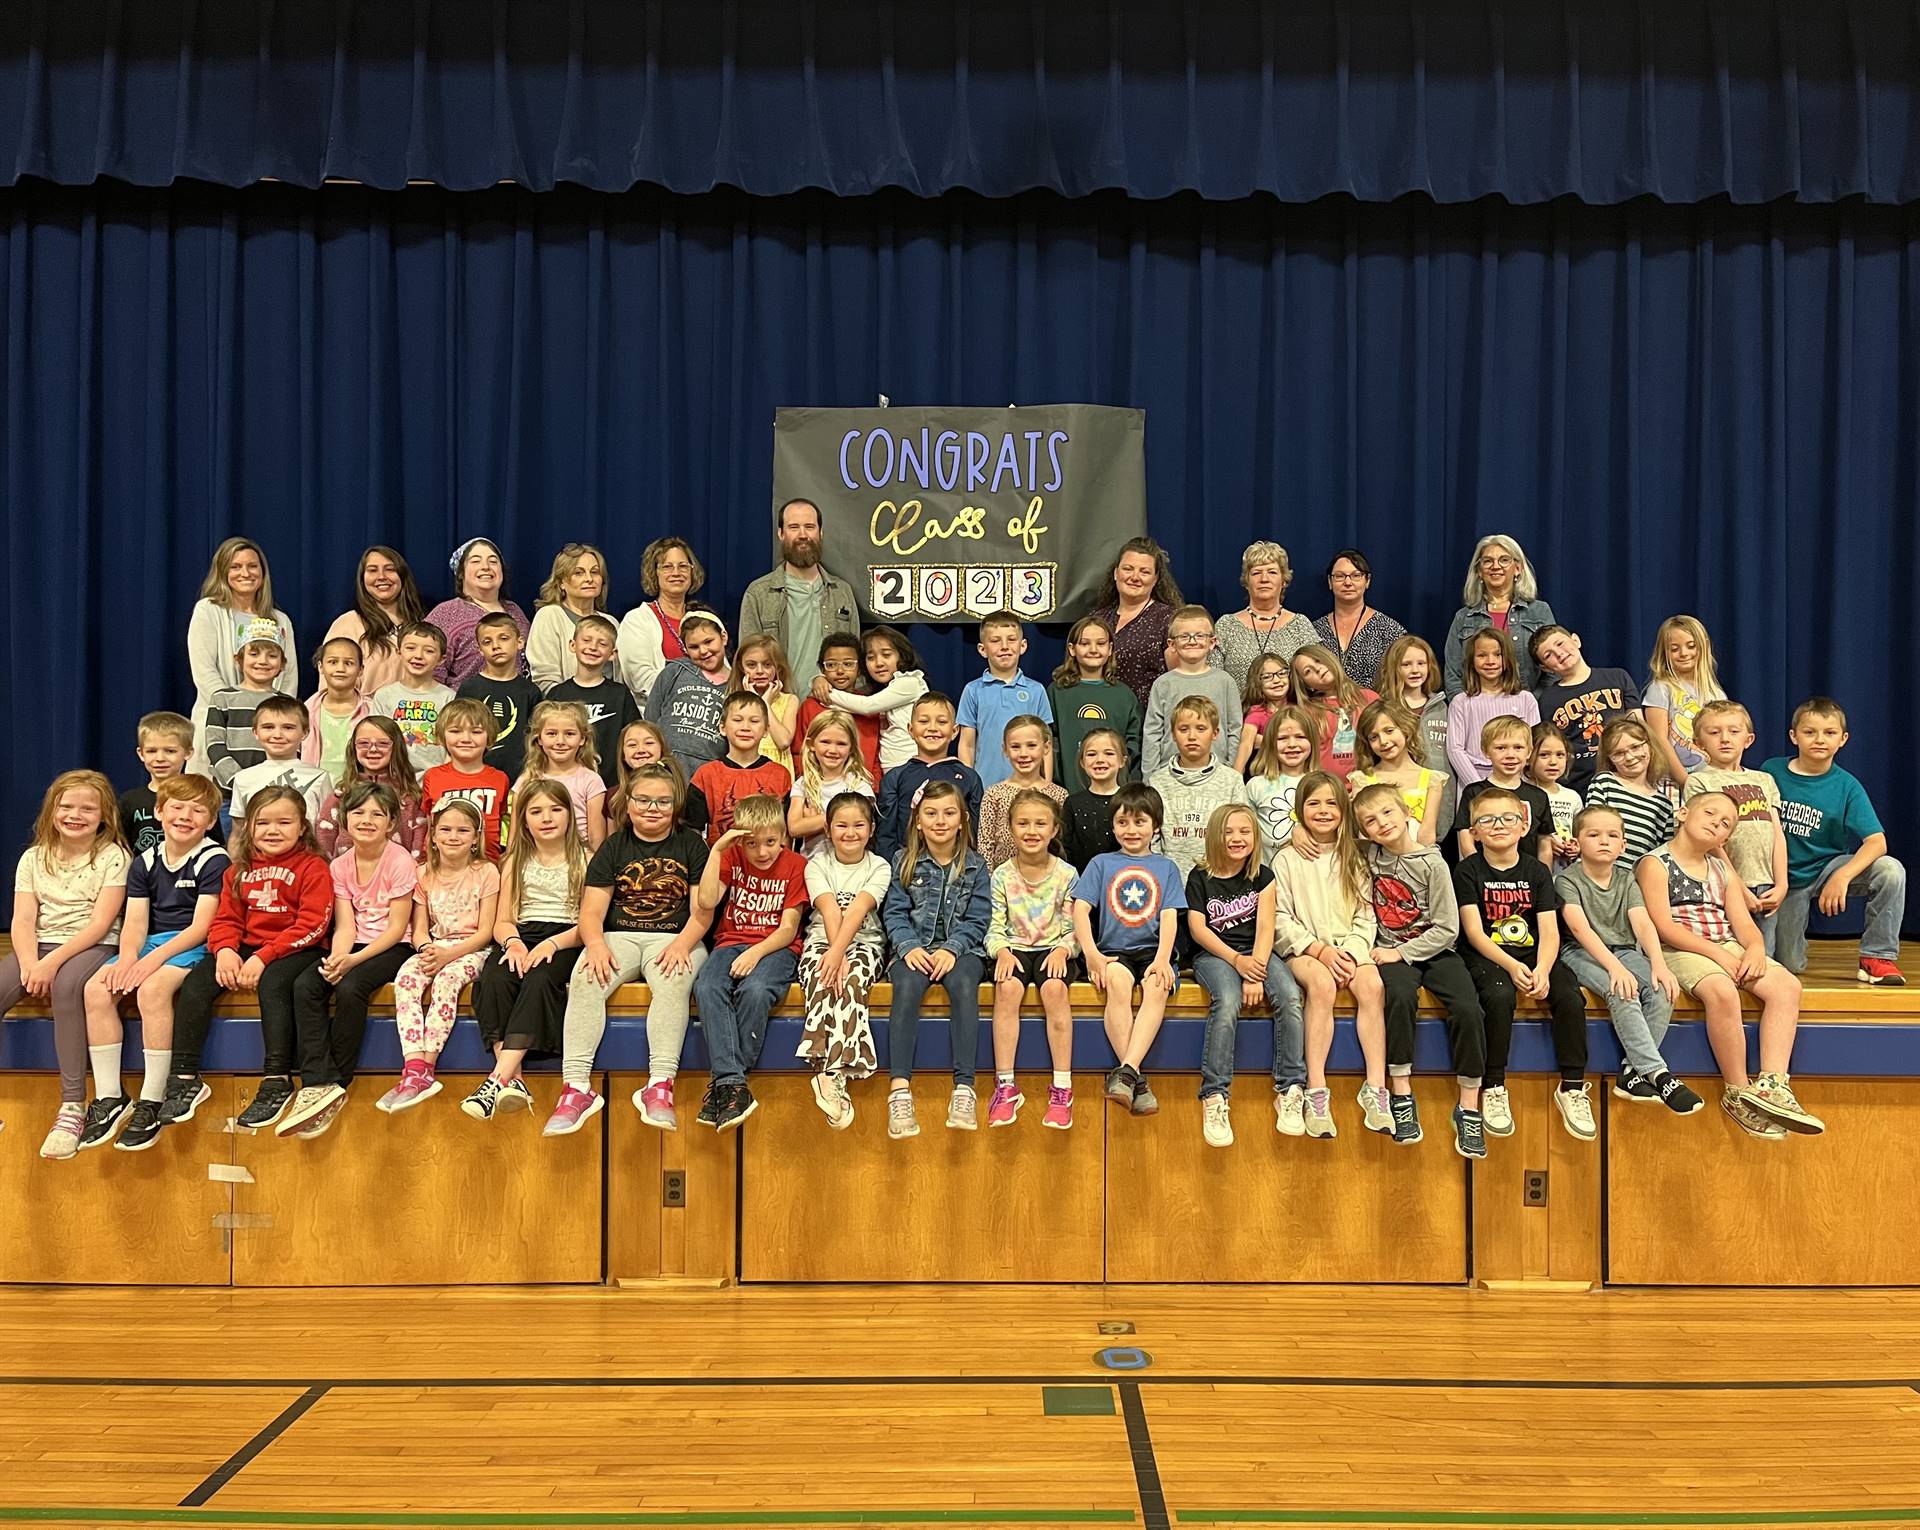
(1189, 798)
(1413, 902)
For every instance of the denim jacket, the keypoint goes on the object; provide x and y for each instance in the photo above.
(912, 911)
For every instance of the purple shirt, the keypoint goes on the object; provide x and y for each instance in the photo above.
(457, 618)
(1140, 647)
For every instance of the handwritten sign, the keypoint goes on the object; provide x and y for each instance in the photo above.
(947, 515)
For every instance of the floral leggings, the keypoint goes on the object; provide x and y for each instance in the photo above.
(838, 1038)
(424, 1007)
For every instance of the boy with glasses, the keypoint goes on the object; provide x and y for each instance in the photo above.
(1190, 636)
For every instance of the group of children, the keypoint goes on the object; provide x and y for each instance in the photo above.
(1287, 841)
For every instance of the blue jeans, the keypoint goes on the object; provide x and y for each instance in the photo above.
(733, 1011)
(1884, 887)
(1640, 1023)
(1222, 984)
(963, 1016)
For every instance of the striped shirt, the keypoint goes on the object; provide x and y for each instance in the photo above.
(1698, 906)
(1648, 816)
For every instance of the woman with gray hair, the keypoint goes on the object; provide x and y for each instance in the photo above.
(1264, 626)
(1500, 592)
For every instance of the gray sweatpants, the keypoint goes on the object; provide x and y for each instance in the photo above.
(667, 1015)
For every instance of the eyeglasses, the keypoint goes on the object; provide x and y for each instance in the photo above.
(1500, 820)
(1192, 639)
(1346, 576)
(653, 802)
(1499, 561)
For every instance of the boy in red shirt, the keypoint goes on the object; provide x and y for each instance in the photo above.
(465, 731)
(756, 948)
(743, 771)
(840, 667)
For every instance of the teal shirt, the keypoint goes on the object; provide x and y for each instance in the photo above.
(803, 631)
(1825, 817)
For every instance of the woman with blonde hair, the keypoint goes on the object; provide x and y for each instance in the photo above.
(576, 587)
(237, 591)
(1264, 626)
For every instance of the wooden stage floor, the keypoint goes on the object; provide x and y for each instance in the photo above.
(913, 1406)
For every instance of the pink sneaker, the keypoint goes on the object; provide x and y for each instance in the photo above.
(1059, 1108)
(1004, 1108)
(572, 1113)
(655, 1104)
(417, 1083)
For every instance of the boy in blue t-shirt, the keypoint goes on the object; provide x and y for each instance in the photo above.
(1824, 810)
(1137, 898)
(1003, 693)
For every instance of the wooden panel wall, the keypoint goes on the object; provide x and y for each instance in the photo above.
(646, 1239)
(1559, 1243)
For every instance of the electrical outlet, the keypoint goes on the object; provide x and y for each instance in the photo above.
(1533, 1188)
(673, 1187)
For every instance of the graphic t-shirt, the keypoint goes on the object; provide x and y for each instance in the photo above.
(1077, 711)
(827, 873)
(452, 900)
(173, 889)
(1682, 704)
(512, 702)
(757, 899)
(610, 708)
(486, 788)
(1534, 807)
(651, 880)
(1272, 799)
(1824, 816)
(395, 877)
(1756, 798)
(1580, 713)
(1510, 901)
(724, 784)
(1129, 893)
(140, 819)
(415, 713)
(1231, 904)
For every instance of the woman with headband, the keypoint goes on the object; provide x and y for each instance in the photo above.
(480, 584)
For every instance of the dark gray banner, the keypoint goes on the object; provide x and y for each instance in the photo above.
(945, 515)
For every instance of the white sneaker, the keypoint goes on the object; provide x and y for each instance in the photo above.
(1216, 1121)
(1320, 1114)
(901, 1120)
(1576, 1109)
(1374, 1102)
(1496, 1111)
(308, 1104)
(1290, 1111)
(64, 1140)
(963, 1110)
(826, 1097)
(843, 1103)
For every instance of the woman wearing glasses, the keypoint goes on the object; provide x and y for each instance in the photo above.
(1357, 633)
(1500, 592)
(1264, 627)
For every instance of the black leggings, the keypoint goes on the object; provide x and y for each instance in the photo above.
(330, 1052)
(193, 1010)
(524, 1014)
(1566, 1018)
(1445, 977)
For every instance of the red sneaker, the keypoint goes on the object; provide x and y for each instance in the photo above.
(1880, 972)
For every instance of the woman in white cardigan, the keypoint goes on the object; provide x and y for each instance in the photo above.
(238, 590)
(577, 587)
(650, 632)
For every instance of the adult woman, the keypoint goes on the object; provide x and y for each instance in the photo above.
(385, 599)
(576, 587)
(650, 632)
(480, 582)
(1137, 604)
(238, 590)
(1500, 592)
(1264, 625)
(1357, 633)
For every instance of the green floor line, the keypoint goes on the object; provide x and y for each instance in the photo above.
(695, 1517)
(1589, 1521)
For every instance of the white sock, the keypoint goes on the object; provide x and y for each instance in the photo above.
(1004, 1078)
(655, 1076)
(1062, 1079)
(106, 1071)
(153, 1084)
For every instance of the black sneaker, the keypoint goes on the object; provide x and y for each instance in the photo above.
(1631, 1086)
(102, 1117)
(268, 1104)
(142, 1129)
(739, 1105)
(1676, 1096)
(1406, 1119)
(184, 1097)
(710, 1104)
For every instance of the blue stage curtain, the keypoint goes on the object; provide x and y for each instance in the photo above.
(1706, 410)
(1604, 100)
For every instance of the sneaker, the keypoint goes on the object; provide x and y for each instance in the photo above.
(103, 1118)
(64, 1140)
(843, 1097)
(738, 1105)
(710, 1103)
(1576, 1109)
(268, 1105)
(142, 1128)
(1120, 1086)
(484, 1100)
(655, 1104)
(316, 1125)
(184, 1097)
(1059, 1114)
(963, 1110)
(1144, 1102)
(575, 1108)
(514, 1095)
(1772, 1094)
(1406, 1119)
(1676, 1096)
(308, 1105)
(1469, 1133)
(1496, 1111)
(1880, 972)
(1748, 1116)
(1632, 1086)
(1290, 1111)
(1004, 1108)
(825, 1095)
(901, 1121)
(1319, 1114)
(416, 1085)
(1216, 1121)
(1373, 1102)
